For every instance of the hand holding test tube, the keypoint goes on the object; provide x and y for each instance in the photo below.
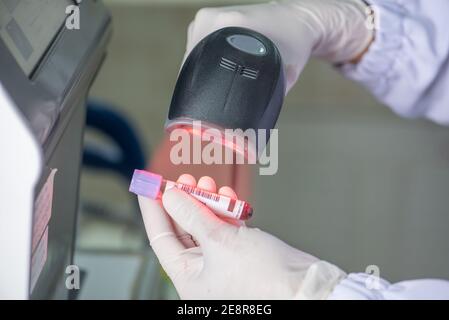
(151, 185)
(211, 258)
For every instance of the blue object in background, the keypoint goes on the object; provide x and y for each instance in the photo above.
(115, 126)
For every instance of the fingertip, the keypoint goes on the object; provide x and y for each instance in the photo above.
(228, 192)
(187, 179)
(208, 184)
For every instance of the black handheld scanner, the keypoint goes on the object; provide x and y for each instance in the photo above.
(233, 79)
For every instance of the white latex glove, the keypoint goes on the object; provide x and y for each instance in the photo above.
(335, 30)
(230, 261)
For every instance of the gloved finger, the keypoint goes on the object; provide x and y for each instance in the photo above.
(208, 184)
(192, 34)
(190, 37)
(183, 236)
(205, 23)
(160, 229)
(234, 222)
(187, 179)
(229, 192)
(193, 216)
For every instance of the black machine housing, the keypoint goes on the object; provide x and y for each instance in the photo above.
(52, 99)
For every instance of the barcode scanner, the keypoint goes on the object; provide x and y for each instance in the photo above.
(233, 79)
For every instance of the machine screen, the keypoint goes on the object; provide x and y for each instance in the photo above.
(28, 27)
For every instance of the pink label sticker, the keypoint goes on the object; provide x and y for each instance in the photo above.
(42, 209)
(38, 259)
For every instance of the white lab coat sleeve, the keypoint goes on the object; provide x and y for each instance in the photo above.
(362, 286)
(407, 66)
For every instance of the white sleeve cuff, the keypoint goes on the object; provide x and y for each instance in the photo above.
(362, 286)
(359, 286)
(406, 67)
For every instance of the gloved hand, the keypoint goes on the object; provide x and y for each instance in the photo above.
(228, 261)
(336, 30)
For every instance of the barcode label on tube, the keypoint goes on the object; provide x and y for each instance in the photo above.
(219, 204)
(199, 192)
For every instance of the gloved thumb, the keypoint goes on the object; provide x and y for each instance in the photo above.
(193, 216)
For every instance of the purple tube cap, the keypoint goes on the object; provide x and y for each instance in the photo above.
(146, 184)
